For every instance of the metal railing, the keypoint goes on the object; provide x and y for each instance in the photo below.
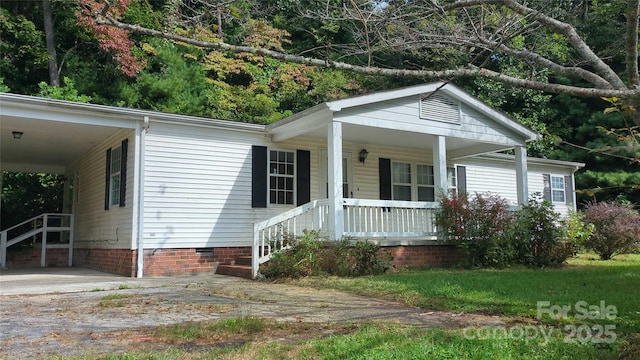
(40, 225)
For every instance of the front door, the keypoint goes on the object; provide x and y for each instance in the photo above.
(347, 176)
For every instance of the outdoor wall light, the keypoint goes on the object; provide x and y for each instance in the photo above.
(17, 135)
(363, 155)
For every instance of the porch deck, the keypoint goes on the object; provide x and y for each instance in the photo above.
(363, 219)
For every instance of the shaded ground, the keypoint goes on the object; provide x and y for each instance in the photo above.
(116, 320)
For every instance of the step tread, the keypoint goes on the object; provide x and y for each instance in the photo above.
(243, 260)
(235, 270)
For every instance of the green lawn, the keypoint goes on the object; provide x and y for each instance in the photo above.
(511, 293)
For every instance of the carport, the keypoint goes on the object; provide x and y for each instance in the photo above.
(39, 135)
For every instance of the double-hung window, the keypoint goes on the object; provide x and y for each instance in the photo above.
(114, 176)
(452, 182)
(558, 194)
(281, 177)
(426, 183)
(401, 181)
(422, 187)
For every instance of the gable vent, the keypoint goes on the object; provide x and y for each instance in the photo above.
(439, 108)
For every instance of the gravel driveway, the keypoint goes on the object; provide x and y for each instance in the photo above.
(90, 318)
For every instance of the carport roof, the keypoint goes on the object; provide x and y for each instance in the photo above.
(56, 133)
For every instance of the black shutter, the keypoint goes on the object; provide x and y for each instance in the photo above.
(384, 173)
(259, 176)
(546, 193)
(123, 171)
(462, 180)
(107, 181)
(303, 177)
(568, 190)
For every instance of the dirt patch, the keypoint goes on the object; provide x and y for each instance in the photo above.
(36, 326)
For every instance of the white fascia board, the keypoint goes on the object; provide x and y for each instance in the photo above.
(301, 123)
(477, 104)
(338, 105)
(93, 114)
(426, 129)
(476, 151)
(575, 166)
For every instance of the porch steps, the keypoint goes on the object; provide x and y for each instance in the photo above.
(241, 267)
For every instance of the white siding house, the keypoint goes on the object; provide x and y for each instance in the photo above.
(160, 194)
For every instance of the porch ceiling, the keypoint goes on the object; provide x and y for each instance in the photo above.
(368, 135)
(46, 146)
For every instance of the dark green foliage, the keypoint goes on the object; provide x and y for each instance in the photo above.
(537, 237)
(309, 256)
(27, 195)
(489, 235)
(66, 92)
(616, 228)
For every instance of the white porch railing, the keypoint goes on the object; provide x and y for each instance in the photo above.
(383, 218)
(273, 234)
(41, 224)
(362, 219)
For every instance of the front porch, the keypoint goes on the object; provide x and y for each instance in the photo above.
(417, 137)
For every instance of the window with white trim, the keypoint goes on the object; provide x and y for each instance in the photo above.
(558, 194)
(114, 176)
(452, 182)
(420, 188)
(426, 183)
(281, 177)
(401, 181)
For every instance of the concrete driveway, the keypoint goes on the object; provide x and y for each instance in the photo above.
(73, 279)
(69, 311)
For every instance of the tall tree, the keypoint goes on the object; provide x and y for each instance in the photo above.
(542, 35)
(54, 73)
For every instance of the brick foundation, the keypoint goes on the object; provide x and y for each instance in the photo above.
(30, 258)
(171, 262)
(421, 256)
(116, 261)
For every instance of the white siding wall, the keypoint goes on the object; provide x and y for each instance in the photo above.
(95, 226)
(499, 177)
(197, 186)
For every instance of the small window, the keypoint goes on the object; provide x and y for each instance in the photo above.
(281, 177)
(557, 189)
(452, 182)
(114, 176)
(401, 181)
(426, 185)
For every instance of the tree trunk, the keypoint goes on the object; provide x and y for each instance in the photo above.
(54, 75)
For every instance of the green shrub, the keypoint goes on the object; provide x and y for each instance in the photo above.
(368, 259)
(616, 228)
(308, 256)
(474, 225)
(490, 236)
(537, 236)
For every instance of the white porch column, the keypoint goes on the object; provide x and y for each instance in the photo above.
(440, 165)
(334, 178)
(521, 175)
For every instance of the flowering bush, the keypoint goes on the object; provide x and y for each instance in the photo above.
(474, 225)
(616, 228)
